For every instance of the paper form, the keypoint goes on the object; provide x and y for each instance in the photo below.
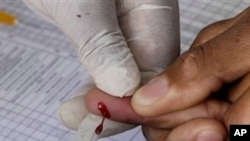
(39, 69)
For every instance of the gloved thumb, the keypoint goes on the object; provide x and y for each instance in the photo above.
(196, 74)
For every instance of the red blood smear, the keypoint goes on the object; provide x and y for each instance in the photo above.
(105, 113)
(98, 129)
(104, 110)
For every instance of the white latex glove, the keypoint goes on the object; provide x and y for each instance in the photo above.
(105, 32)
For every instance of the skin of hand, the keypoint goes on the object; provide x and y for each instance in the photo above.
(206, 89)
(106, 33)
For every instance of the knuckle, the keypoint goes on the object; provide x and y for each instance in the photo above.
(243, 16)
(200, 37)
(216, 109)
(197, 61)
(247, 10)
(190, 60)
(207, 33)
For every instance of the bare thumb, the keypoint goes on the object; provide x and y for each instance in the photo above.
(196, 74)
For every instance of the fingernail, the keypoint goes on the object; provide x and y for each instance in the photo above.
(152, 91)
(209, 136)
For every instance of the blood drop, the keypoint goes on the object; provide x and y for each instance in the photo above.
(105, 113)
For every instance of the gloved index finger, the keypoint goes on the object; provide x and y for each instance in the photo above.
(93, 28)
(152, 32)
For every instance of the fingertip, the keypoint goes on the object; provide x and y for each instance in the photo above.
(72, 112)
(203, 129)
(113, 104)
(209, 136)
(91, 100)
(146, 100)
(119, 108)
(118, 79)
(112, 65)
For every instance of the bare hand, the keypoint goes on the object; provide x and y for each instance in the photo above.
(188, 100)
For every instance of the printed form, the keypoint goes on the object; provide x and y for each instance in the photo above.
(39, 69)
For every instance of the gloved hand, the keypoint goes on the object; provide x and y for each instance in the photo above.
(106, 33)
